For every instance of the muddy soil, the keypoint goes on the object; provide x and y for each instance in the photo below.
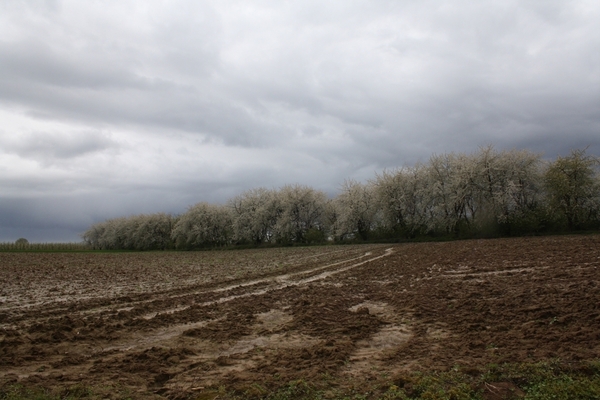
(196, 325)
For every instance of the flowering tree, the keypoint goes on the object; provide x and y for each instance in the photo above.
(302, 211)
(508, 184)
(402, 198)
(138, 232)
(357, 210)
(573, 187)
(490, 191)
(203, 225)
(449, 193)
(255, 214)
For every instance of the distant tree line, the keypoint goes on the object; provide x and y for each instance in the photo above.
(23, 244)
(485, 194)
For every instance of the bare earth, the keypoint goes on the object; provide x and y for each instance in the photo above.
(346, 317)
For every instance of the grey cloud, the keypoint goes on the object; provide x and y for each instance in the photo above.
(31, 62)
(48, 146)
(283, 92)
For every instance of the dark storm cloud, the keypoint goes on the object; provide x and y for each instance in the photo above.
(190, 101)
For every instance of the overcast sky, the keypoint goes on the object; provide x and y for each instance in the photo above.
(113, 108)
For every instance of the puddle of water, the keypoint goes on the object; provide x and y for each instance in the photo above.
(371, 352)
(154, 338)
(273, 319)
(462, 274)
(161, 312)
(274, 341)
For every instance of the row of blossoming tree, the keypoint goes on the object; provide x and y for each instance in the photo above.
(487, 193)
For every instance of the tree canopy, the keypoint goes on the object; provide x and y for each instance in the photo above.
(487, 193)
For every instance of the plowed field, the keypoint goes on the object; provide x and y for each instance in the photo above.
(348, 318)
